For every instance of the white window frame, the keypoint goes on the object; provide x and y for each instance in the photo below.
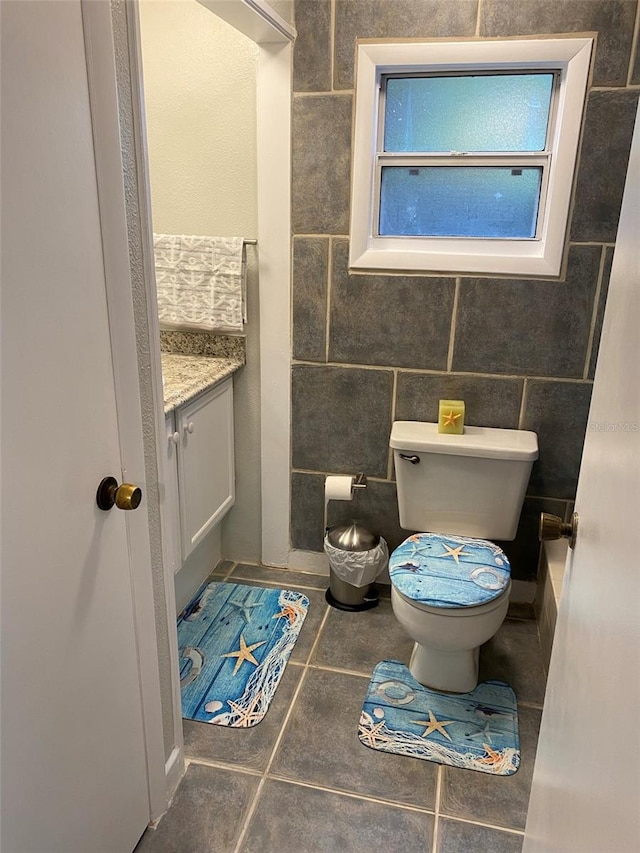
(540, 256)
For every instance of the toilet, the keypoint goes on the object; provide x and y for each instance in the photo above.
(450, 583)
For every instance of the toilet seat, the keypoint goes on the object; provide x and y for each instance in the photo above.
(457, 612)
(432, 570)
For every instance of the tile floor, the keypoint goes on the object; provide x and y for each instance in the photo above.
(301, 781)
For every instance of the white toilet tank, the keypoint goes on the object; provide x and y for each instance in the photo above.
(470, 485)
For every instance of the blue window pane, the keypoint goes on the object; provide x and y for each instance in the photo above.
(459, 201)
(501, 112)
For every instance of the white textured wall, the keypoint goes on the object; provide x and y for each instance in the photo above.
(200, 92)
(200, 81)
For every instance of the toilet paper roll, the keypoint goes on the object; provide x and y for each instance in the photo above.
(338, 489)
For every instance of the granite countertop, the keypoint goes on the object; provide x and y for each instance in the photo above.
(186, 376)
(193, 363)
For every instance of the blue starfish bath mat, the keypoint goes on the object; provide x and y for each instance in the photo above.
(234, 642)
(477, 730)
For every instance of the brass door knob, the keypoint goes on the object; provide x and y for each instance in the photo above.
(126, 496)
(553, 527)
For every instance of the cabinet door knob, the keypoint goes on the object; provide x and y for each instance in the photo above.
(190, 427)
(174, 437)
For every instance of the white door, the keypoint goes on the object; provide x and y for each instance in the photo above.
(586, 785)
(74, 769)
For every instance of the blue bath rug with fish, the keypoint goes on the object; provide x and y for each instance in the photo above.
(234, 643)
(476, 730)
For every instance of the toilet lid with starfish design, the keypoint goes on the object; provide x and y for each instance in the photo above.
(449, 571)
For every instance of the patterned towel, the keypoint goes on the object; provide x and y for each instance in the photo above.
(201, 282)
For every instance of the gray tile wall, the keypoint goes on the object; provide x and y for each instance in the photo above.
(371, 349)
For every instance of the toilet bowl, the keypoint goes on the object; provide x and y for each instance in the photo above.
(448, 634)
(450, 588)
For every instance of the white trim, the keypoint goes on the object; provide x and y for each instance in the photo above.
(274, 251)
(174, 770)
(538, 257)
(309, 561)
(274, 183)
(144, 202)
(103, 96)
(255, 18)
(523, 592)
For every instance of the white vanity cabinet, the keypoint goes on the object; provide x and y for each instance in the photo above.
(171, 506)
(200, 470)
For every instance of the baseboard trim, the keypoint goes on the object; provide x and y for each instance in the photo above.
(523, 592)
(308, 561)
(174, 767)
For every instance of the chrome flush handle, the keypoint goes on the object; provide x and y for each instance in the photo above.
(415, 460)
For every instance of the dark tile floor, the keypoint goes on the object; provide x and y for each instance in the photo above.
(301, 781)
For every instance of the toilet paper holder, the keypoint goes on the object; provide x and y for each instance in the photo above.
(360, 481)
(343, 487)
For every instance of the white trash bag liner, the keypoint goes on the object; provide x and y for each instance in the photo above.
(358, 568)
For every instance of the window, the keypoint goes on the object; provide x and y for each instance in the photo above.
(464, 154)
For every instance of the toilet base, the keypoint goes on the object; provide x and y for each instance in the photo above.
(451, 672)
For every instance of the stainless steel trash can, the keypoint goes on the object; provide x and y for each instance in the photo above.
(353, 538)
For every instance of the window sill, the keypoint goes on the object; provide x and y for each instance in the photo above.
(515, 263)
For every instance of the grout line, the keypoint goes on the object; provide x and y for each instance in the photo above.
(519, 832)
(469, 374)
(436, 822)
(581, 243)
(318, 635)
(232, 569)
(324, 236)
(254, 803)
(594, 314)
(276, 584)
(326, 474)
(327, 94)
(283, 727)
(634, 46)
(478, 17)
(326, 668)
(454, 319)
(622, 88)
(351, 794)
(292, 297)
(296, 693)
(250, 813)
(332, 45)
(255, 563)
(523, 404)
(284, 570)
(394, 395)
(327, 323)
(221, 765)
(319, 364)
(394, 399)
